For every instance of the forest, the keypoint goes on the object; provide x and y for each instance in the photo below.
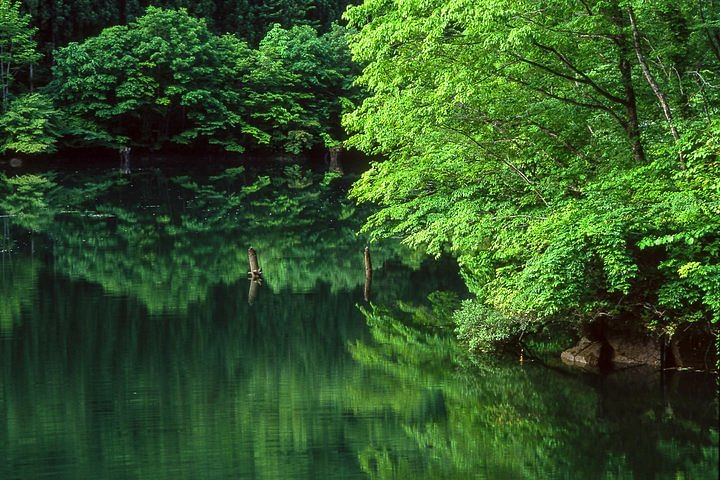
(232, 76)
(359, 239)
(564, 151)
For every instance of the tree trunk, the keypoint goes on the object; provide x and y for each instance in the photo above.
(677, 356)
(649, 76)
(335, 165)
(4, 98)
(632, 127)
(4, 82)
(368, 275)
(125, 160)
(368, 263)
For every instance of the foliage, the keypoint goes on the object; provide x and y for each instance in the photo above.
(562, 151)
(484, 329)
(30, 126)
(25, 121)
(63, 21)
(164, 78)
(167, 79)
(316, 80)
(683, 224)
(25, 197)
(17, 46)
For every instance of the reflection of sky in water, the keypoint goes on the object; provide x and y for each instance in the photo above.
(129, 350)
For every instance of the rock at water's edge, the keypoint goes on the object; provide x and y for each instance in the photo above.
(619, 349)
(587, 353)
(633, 350)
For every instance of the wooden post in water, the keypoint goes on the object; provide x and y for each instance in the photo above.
(335, 165)
(5, 242)
(255, 270)
(255, 275)
(125, 160)
(368, 274)
(253, 291)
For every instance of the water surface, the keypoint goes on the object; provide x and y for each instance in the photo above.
(133, 346)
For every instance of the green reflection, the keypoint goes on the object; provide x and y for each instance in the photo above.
(523, 421)
(303, 383)
(168, 240)
(93, 388)
(18, 289)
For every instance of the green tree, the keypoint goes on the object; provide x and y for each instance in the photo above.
(165, 78)
(311, 84)
(551, 147)
(30, 125)
(64, 21)
(17, 46)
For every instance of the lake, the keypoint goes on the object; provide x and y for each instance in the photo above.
(134, 346)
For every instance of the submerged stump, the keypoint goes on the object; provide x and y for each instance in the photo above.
(255, 270)
(335, 165)
(255, 275)
(253, 290)
(125, 160)
(368, 274)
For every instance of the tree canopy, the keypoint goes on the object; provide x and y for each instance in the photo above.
(167, 78)
(17, 47)
(565, 151)
(64, 21)
(163, 78)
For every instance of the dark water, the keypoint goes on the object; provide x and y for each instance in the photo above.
(133, 346)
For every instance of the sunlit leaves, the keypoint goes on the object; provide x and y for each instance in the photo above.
(17, 46)
(30, 125)
(504, 131)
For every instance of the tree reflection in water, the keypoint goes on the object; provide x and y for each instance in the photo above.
(129, 350)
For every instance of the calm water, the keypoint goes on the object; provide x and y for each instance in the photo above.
(133, 346)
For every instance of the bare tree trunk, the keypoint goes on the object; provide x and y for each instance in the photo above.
(253, 290)
(649, 76)
(713, 36)
(253, 261)
(633, 124)
(677, 355)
